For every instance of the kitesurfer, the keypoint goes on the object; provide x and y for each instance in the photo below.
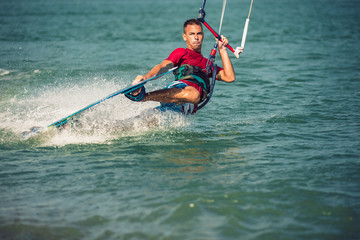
(191, 83)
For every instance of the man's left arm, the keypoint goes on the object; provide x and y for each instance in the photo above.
(227, 74)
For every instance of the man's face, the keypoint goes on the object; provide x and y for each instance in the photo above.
(193, 37)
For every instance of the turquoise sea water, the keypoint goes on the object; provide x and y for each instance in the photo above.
(274, 155)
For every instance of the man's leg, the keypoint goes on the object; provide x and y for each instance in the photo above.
(188, 94)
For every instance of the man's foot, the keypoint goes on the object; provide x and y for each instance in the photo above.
(136, 97)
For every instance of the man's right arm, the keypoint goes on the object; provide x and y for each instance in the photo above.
(163, 67)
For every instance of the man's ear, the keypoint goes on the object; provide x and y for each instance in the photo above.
(184, 36)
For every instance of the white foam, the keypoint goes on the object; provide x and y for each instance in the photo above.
(96, 129)
(4, 72)
(101, 123)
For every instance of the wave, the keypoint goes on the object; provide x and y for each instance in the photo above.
(4, 72)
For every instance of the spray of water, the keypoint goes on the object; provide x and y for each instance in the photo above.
(114, 118)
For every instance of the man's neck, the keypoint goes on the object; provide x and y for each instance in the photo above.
(197, 51)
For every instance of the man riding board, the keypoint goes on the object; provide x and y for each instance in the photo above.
(192, 81)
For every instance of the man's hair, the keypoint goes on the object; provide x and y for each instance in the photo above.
(192, 22)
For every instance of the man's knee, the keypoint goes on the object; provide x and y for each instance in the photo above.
(191, 95)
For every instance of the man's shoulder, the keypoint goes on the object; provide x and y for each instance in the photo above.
(177, 54)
